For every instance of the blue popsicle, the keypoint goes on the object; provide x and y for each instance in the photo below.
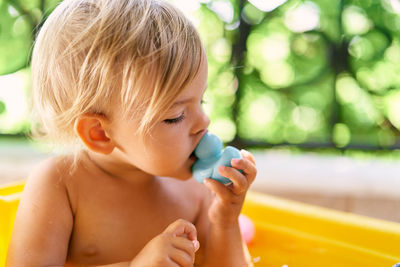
(211, 155)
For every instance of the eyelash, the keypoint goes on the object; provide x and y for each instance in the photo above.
(181, 117)
(175, 120)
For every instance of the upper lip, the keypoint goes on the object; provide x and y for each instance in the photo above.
(201, 134)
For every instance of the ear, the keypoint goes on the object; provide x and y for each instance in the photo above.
(92, 130)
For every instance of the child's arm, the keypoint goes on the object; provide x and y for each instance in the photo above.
(43, 222)
(224, 245)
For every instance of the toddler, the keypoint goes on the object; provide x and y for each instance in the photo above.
(121, 82)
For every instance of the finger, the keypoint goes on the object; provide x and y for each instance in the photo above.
(171, 263)
(246, 166)
(222, 192)
(247, 155)
(181, 258)
(186, 245)
(182, 227)
(239, 181)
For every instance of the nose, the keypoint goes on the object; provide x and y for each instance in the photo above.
(202, 123)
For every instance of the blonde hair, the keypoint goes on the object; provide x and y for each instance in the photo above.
(98, 56)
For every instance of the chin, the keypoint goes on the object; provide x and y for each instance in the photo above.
(183, 175)
(186, 172)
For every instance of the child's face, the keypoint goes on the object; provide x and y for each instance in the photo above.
(167, 152)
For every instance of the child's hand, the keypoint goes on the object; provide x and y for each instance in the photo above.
(175, 247)
(228, 200)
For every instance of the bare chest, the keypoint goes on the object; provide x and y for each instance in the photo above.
(114, 224)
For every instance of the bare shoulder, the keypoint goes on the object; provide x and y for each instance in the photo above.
(45, 180)
(197, 189)
(50, 171)
(194, 190)
(48, 178)
(44, 210)
(192, 194)
(201, 192)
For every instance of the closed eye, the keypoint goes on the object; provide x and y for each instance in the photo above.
(175, 120)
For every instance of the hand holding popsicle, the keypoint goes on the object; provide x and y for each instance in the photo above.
(228, 175)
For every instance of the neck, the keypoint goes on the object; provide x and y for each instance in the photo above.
(116, 168)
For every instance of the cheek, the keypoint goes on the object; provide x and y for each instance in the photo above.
(173, 153)
(170, 142)
(173, 135)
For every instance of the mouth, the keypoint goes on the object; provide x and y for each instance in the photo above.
(193, 156)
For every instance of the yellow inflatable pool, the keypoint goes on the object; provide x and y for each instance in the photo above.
(287, 233)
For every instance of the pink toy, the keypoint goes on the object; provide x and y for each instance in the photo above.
(247, 228)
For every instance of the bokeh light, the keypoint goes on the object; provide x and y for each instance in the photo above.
(280, 71)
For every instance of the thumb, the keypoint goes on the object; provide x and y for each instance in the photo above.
(182, 228)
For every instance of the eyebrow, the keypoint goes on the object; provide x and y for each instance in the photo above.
(181, 102)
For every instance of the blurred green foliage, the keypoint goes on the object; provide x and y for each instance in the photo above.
(317, 73)
(310, 73)
(2, 107)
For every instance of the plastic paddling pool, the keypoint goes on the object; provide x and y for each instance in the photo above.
(288, 233)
